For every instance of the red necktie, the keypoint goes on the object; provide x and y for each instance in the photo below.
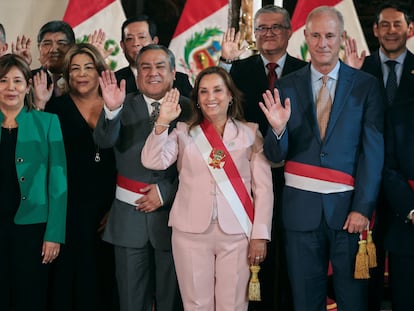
(271, 76)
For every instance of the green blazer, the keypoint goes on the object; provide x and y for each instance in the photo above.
(41, 172)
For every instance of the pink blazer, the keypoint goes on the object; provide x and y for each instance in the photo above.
(192, 209)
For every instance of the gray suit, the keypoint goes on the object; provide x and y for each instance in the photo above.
(142, 240)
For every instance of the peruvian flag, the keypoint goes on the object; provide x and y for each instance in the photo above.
(297, 46)
(87, 16)
(196, 40)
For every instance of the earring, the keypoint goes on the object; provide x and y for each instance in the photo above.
(198, 106)
(231, 103)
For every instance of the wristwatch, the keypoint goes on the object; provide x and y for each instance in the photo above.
(225, 60)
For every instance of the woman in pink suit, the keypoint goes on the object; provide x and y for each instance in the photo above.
(221, 216)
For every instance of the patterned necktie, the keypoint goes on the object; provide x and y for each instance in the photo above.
(155, 112)
(271, 76)
(58, 85)
(323, 107)
(391, 84)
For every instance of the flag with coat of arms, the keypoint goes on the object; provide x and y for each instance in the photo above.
(87, 16)
(297, 46)
(197, 37)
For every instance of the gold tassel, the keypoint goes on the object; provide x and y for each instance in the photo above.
(361, 261)
(254, 284)
(371, 250)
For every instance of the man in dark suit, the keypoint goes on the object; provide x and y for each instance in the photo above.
(138, 32)
(273, 31)
(392, 27)
(54, 40)
(138, 220)
(334, 158)
(399, 191)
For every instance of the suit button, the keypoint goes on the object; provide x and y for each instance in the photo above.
(19, 160)
(23, 198)
(22, 179)
(323, 154)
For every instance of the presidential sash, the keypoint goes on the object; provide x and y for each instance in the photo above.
(317, 179)
(128, 190)
(225, 173)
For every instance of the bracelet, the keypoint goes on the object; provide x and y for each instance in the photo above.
(162, 124)
(225, 60)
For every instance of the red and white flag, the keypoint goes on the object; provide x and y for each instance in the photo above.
(196, 40)
(87, 16)
(297, 46)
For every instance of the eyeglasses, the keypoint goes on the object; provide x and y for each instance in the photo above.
(47, 44)
(275, 29)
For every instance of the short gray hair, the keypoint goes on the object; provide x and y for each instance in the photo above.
(270, 8)
(170, 55)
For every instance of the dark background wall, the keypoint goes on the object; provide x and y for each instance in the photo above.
(166, 14)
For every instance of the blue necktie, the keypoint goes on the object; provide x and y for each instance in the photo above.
(391, 84)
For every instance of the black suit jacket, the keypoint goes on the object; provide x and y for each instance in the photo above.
(372, 65)
(398, 169)
(181, 81)
(250, 77)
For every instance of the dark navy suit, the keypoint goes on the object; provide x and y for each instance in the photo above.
(404, 93)
(313, 222)
(398, 169)
(372, 65)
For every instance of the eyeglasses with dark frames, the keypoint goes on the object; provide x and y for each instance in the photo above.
(275, 29)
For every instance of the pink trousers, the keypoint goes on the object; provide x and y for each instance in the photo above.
(212, 269)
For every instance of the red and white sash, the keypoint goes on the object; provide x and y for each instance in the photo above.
(317, 179)
(128, 190)
(225, 173)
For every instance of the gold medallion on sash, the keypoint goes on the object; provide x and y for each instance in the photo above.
(216, 158)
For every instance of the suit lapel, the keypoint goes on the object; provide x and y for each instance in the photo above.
(305, 100)
(343, 88)
(259, 73)
(407, 77)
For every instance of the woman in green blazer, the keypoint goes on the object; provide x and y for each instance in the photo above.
(33, 191)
